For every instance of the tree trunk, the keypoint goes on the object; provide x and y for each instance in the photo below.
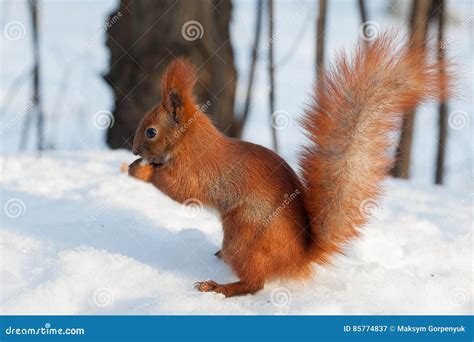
(320, 35)
(36, 112)
(363, 18)
(419, 28)
(144, 36)
(443, 108)
(362, 11)
(271, 74)
(239, 122)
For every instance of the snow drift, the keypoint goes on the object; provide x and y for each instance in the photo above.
(79, 237)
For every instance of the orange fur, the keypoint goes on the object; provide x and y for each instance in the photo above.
(275, 225)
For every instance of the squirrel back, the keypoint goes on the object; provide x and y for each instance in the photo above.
(358, 104)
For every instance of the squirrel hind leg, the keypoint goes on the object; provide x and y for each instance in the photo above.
(238, 288)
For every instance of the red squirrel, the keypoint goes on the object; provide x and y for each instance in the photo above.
(276, 223)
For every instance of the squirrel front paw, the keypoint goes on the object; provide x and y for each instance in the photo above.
(125, 168)
(140, 169)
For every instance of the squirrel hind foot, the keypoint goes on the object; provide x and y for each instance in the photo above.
(239, 288)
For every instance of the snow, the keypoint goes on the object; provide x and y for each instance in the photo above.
(79, 237)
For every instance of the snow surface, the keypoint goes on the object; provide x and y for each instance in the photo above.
(79, 237)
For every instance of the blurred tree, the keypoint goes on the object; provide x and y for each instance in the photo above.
(438, 9)
(418, 30)
(362, 11)
(240, 120)
(271, 72)
(320, 37)
(36, 107)
(363, 18)
(146, 36)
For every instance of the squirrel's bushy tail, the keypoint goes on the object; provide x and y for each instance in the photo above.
(358, 103)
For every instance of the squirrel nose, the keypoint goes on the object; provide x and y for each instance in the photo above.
(137, 151)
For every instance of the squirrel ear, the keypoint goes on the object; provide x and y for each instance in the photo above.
(177, 86)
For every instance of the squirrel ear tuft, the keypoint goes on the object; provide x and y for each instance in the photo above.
(174, 105)
(177, 84)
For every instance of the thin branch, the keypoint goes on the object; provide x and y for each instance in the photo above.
(293, 47)
(12, 90)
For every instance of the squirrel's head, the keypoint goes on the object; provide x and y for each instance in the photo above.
(163, 127)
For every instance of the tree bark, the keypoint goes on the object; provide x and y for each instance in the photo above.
(419, 28)
(144, 36)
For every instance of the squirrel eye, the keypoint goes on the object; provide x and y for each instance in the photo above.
(150, 133)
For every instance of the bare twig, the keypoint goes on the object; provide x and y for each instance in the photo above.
(12, 91)
(293, 47)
